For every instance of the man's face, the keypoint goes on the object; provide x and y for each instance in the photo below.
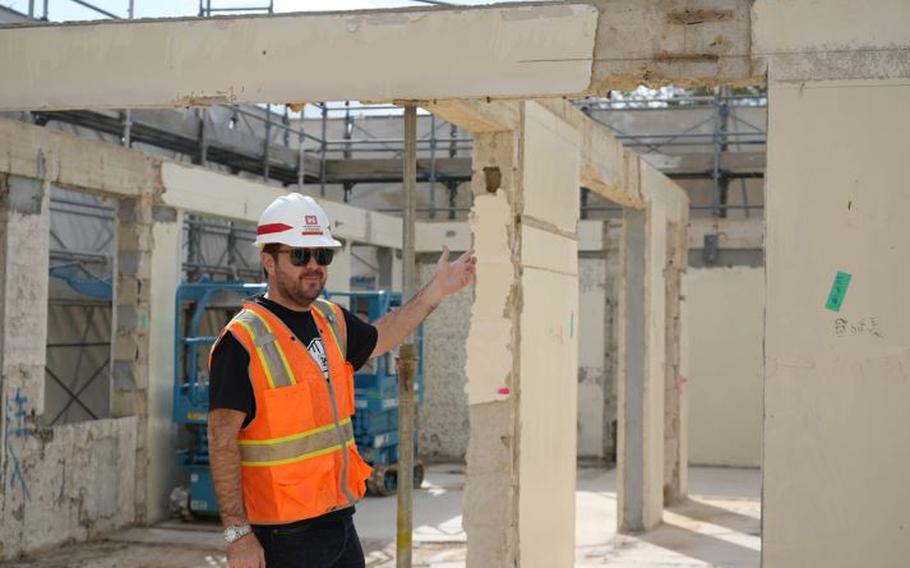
(300, 284)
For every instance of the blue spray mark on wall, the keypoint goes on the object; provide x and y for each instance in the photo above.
(16, 411)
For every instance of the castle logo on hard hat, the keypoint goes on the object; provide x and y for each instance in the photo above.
(311, 225)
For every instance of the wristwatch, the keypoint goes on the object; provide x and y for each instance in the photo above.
(234, 533)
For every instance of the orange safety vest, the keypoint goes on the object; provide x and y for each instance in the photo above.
(298, 455)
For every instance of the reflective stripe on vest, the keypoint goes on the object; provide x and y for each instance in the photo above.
(271, 356)
(299, 447)
(332, 314)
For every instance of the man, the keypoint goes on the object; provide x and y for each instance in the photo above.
(284, 464)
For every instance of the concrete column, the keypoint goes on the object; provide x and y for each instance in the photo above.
(389, 268)
(675, 408)
(522, 346)
(641, 369)
(24, 236)
(148, 271)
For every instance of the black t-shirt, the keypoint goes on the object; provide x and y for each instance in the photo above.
(229, 380)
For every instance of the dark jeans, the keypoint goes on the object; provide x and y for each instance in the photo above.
(330, 542)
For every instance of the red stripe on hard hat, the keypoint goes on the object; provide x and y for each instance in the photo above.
(272, 228)
(311, 233)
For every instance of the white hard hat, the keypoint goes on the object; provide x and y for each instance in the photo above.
(297, 221)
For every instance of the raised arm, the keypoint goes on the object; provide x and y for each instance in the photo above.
(450, 277)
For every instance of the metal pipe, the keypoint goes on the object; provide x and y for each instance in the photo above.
(408, 352)
(131, 9)
(300, 159)
(127, 128)
(399, 150)
(203, 140)
(344, 141)
(31, 9)
(323, 148)
(268, 136)
(244, 9)
(432, 166)
(687, 135)
(97, 9)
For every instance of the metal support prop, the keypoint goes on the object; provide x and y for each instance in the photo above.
(127, 128)
(407, 354)
(322, 149)
(432, 166)
(268, 138)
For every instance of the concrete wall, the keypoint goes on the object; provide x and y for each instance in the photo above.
(836, 457)
(593, 388)
(65, 483)
(443, 420)
(522, 363)
(725, 365)
(549, 339)
(837, 354)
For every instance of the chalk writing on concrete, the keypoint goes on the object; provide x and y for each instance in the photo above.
(865, 326)
(16, 411)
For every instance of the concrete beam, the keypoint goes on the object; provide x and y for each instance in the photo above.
(388, 170)
(75, 163)
(866, 40)
(607, 168)
(540, 50)
(477, 116)
(678, 42)
(191, 188)
(101, 168)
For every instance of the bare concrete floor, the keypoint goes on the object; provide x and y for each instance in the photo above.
(718, 526)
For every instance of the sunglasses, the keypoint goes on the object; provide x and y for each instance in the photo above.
(301, 256)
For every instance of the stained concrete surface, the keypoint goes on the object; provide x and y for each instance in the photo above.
(718, 526)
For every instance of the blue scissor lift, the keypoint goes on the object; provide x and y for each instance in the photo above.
(205, 307)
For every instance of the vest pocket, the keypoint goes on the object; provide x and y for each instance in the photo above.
(307, 489)
(358, 472)
(288, 410)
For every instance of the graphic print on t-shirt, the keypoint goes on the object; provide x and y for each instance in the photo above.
(317, 352)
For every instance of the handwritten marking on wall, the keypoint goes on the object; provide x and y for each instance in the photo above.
(866, 326)
(838, 291)
(15, 428)
(557, 335)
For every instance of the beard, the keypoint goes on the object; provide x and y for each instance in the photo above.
(303, 288)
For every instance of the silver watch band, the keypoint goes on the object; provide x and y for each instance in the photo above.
(234, 533)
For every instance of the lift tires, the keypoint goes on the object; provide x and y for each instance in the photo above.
(179, 503)
(384, 480)
(418, 475)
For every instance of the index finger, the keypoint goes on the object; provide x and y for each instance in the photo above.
(466, 254)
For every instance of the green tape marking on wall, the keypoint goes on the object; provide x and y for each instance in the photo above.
(838, 291)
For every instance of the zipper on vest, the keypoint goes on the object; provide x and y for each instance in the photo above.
(341, 437)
